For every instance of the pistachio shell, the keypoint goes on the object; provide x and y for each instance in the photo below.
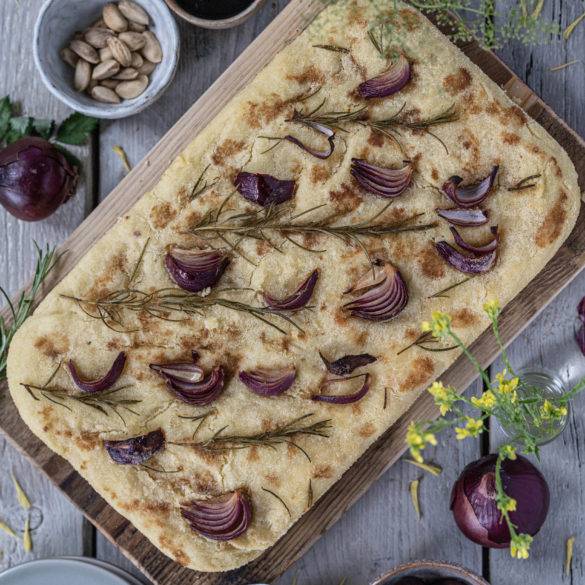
(126, 74)
(82, 75)
(109, 83)
(97, 37)
(106, 69)
(134, 12)
(137, 60)
(69, 56)
(132, 89)
(106, 54)
(114, 19)
(85, 51)
(152, 49)
(135, 27)
(120, 51)
(135, 41)
(104, 95)
(147, 67)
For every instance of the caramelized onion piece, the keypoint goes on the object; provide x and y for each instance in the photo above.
(104, 383)
(347, 364)
(136, 450)
(321, 154)
(389, 83)
(195, 270)
(464, 217)
(466, 264)
(381, 181)
(470, 195)
(298, 299)
(344, 398)
(385, 294)
(223, 518)
(264, 189)
(477, 250)
(269, 382)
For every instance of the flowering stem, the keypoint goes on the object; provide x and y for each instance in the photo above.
(469, 356)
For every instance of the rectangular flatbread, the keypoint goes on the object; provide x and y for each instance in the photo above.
(236, 468)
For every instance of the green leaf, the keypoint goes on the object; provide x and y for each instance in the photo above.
(76, 129)
(5, 115)
(43, 128)
(18, 128)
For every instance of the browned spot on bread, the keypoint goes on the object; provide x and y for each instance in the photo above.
(253, 454)
(516, 115)
(136, 233)
(376, 139)
(411, 333)
(272, 478)
(323, 471)
(431, 264)
(311, 75)
(341, 318)
(53, 346)
(175, 552)
(205, 483)
(310, 240)
(320, 174)
(367, 430)
(421, 370)
(262, 247)
(87, 441)
(345, 199)
(162, 214)
(360, 338)
(410, 19)
(471, 144)
(457, 82)
(510, 138)
(227, 149)
(434, 174)
(464, 318)
(285, 343)
(115, 344)
(552, 225)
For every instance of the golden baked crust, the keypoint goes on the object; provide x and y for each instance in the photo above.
(533, 224)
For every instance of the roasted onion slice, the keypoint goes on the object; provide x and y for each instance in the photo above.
(264, 189)
(464, 217)
(223, 518)
(321, 154)
(103, 383)
(470, 195)
(269, 382)
(389, 83)
(466, 264)
(136, 450)
(298, 299)
(381, 181)
(348, 363)
(195, 270)
(477, 250)
(344, 398)
(384, 294)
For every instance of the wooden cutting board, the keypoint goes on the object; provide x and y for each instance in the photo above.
(566, 264)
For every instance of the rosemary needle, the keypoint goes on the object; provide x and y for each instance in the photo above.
(279, 499)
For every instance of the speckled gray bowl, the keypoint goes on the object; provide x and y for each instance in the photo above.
(429, 570)
(56, 24)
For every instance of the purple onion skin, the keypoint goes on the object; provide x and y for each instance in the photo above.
(389, 82)
(136, 450)
(580, 326)
(298, 299)
(264, 189)
(35, 179)
(103, 383)
(344, 398)
(465, 264)
(194, 282)
(347, 364)
(268, 383)
(474, 506)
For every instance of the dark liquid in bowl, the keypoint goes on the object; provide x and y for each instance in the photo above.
(214, 9)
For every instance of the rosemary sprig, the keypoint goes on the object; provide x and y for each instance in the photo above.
(526, 183)
(334, 48)
(279, 499)
(47, 258)
(332, 120)
(442, 293)
(310, 496)
(199, 419)
(422, 342)
(200, 186)
(281, 435)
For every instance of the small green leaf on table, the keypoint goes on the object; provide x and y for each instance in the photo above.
(76, 129)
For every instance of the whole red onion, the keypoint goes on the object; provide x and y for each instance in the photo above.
(473, 500)
(35, 178)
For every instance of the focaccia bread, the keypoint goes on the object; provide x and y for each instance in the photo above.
(280, 479)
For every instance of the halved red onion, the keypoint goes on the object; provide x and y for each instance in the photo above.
(136, 450)
(322, 154)
(385, 294)
(264, 189)
(380, 180)
(195, 270)
(581, 310)
(223, 518)
(389, 83)
(344, 398)
(269, 382)
(464, 217)
(348, 363)
(477, 250)
(465, 264)
(187, 382)
(298, 299)
(470, 195)
(103, 383)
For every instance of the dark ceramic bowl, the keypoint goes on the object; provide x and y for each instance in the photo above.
(427, 571)
(230, 22)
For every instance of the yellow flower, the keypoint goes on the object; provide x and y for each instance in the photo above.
(507, 386)
(487, 401)
(493, 309)
(417, 440)
(507, 505)
(550, 411)
(520, 546)
(508, 452)
(473, 428)
(445, 397)
(439, 326)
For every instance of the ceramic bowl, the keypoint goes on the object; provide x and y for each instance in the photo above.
(427, 571)
(217, 23)
(56, 24)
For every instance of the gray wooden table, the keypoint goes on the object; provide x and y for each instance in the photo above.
(381, 530)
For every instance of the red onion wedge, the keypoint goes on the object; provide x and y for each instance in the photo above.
(269, 382)
(321, 154)
(464, 217)
(381, 181)
(477, 250)
(470, 195)
(580, 326)
(264, 189)
(389, 83)
(188, 383)
(223, 518)
(344, 398)
(466, 264)
(298, 299)
(348, 363)
(195, 270)
(385, 294)
(136, 450)
(103, 383)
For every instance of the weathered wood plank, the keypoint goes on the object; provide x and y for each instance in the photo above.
(62, 530)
